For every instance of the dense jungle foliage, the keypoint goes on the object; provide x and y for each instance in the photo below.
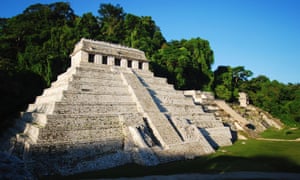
(35, 48)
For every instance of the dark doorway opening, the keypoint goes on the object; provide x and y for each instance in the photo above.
(140, 65)
(91, 58)
(129, 64)
(104, 59)
(118, 62)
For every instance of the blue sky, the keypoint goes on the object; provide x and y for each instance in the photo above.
(262, 35)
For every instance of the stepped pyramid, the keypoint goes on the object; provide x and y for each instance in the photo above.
(108, 109)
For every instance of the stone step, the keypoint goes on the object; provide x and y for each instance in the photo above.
(219, 136)
(163, 126)
(184, 109)
(96, 85)
(184, 151)
(68, 151)
(70, 97)
(46, 108)
(55, 97)
(194, 116)
(143, 74)
(173, 92)
(95, 66)
(71, 121)
(153, 81)
(221, 141)
(198, 148)
(83, 108)
(55, 90)
(96, 73)
(91, 80)
(208, 124)
(76, 136)
(102, 90)
(219, 131)
(157, 88)
(81, 122)
(61, 82)
(107, 94)
(168, 100)
(62, 77)
(39, 119)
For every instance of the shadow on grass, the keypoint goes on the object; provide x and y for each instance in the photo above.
(208, 164)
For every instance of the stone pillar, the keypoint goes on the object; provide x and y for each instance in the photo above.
(135, 64)
(243, 99)
(124, 63)
(145, 66)
(98, 59)
(111, 60)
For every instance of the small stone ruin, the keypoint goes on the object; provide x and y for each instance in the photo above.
(243, 99)
(107, 110)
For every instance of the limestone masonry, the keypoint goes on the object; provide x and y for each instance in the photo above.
(108, 109)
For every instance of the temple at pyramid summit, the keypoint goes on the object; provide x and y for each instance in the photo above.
(108, 110)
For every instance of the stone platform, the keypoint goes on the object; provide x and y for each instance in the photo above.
(107, 110)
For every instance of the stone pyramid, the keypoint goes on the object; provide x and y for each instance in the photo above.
(108, 109)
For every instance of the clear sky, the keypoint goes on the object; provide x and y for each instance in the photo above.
(262, 35)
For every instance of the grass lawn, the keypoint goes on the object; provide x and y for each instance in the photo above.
(246, 155)
(286, 133)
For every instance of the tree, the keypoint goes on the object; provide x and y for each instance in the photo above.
(239, 75)
(222, 85)
(202, 58)
(87, 26)
(111, 23)
(280, 100)
(142, 33)
(229, 79)
(184, 66)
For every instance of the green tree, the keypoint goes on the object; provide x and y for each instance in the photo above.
(222, 85)
(142, 33)
(87, 26)
(230, 80)
(281, 100)
(202, 58)
(111, 23)
(184, 66)
(116, 26)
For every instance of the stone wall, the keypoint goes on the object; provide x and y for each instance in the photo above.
(99, 52)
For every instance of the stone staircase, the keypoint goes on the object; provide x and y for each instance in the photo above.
(185, 115)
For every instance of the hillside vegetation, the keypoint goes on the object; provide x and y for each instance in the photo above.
(35, 48)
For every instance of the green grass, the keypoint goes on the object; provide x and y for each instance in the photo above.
(269, 149)
(248, 155)
(286, 133)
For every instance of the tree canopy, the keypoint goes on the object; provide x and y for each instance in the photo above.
(228, 80)
(282, 101)
(186, 63)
